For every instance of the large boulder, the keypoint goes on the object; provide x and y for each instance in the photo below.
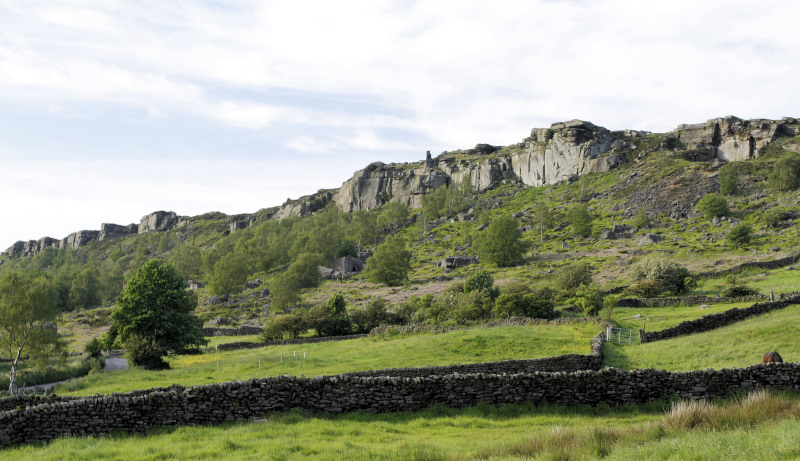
(453, 262)
(158, 221)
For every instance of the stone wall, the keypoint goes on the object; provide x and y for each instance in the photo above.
(687, 300)
(239, 331)
(713, 321)
(774, 264)
(244, 400)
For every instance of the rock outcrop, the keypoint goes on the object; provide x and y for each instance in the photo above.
(304, 206)
(159, 221)
(730, 138)
(379, 183)
(109, 231)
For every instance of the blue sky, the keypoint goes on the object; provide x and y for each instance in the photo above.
(112, 109)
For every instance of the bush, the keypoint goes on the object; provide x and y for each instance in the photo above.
(144, 352)
(581, 220)
(517, 305)
(93, 348)
(483, 282)
(391, 262)
(786, 173)
(575, 275)
(740, 235)
(738, 291)
(773, 216)
(728, 182)
(641, 220)
(713, 206)
(501, 243)
(588, 299)
(666, 275)
(646, 289)
(288, 326)
(338, 323)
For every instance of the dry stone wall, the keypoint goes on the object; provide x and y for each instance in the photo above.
(254, 345)
(713, 321)
(244, 400)
(239, 331)
(687, 300)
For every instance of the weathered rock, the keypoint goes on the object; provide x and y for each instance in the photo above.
(347, 265)
(109, 231)
(304, 206)
(195, 285)
(453, 262)
(328, 273)
(650, 238)
(730, 138)
(158, 221)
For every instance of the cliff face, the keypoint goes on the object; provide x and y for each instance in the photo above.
(548, 156)
(732, 139)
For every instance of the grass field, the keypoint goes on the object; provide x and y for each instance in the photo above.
(462, 346)
(760, 426)
(737, 345)
(659, 318)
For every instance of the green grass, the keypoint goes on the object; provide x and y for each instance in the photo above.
(217, 340)
(737, 345)
(763, 425)
(462, 346)
(659, 318)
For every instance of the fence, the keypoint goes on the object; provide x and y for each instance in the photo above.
(623, 335)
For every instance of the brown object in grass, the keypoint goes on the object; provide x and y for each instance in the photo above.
(772, 357)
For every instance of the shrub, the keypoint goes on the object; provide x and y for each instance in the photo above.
(785, 173)
(575, 275)
(646, 289)
(581, 220)
(728, 182)
(713, 206)
(738, 291)
(391, 262)
(144, 352)
(284, 326)
(517, 305)
(339, 322)
(93, 348)
(740, 235)
(483, 282)
(501, 243)
(641, 219)
(588, 299)
(667, 275)
(773, 216)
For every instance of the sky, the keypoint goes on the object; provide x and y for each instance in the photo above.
(110, 110)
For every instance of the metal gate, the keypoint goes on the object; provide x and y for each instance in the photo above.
(622, 335)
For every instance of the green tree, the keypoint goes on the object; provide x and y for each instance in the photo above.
(740, 235)
(339, 322)
(188, 260)
(501, 243)
(393, 213)
(581, 220)
(28, 303)
(85, 289)
(728, 182)
(230, 274)
(785, 173)
(713, 206)
(391, 262)
(773, 216)
(661, 273)
(285, 291)
(157, 306)
(542, 219)
(305, 269)
(575, 275)
(641, 219)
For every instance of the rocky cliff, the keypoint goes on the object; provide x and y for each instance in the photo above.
(732, 139)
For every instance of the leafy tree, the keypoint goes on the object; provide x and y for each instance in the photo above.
(374, 314)
(740, 235)
(542, 219)
(85, 290)
(641, 219)
(501, 243)
(609, 302)
(289, 325)
(305, 269)
(447, 200)
(575, 275)
(28, 302)
(363, 227)
(519, 305)
(285, 291)
(690, 283)
(581, 220)
(157, 307)
(390, 263)
(663, 274)
(785, 173)
(339, 322)
(230, 274)
(188, 260)
(713, 206)
(144, 352)
(482, 281)
(728, 182)
(393, 213)
(588, 299)
(93, 348)
(773, 216)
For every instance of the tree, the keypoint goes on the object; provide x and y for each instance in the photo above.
(157, 307)
(542, 219)
(305, 269)
(575, 275)
(728, 182)
(661, 273)
(740, 235)
(501, 243)
(230, 274)
(339, 322)
(393, 213)
(641, 219)
(390, 263)
(285, 292)
(581, 220)
(28, 303)
(713, 206)
(786, 173)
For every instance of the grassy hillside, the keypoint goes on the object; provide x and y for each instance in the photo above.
(462, 346)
